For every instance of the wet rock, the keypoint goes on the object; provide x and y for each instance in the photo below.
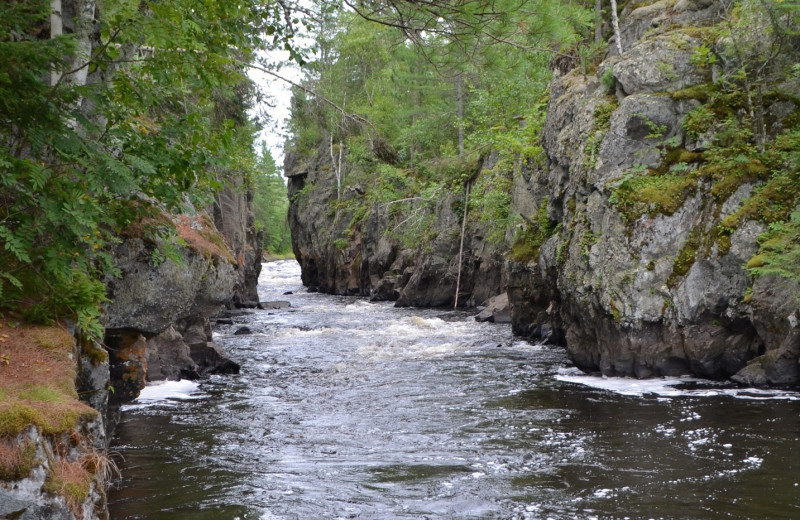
(212, 359)
(496, 310)
(385, 288)
(274, 305)
(227, 313)
(127, 350)
(168, 357)
(775, 367)
(241, 331)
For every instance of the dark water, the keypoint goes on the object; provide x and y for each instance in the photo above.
(346, 409)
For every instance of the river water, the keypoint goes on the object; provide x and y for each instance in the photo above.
(349, 409)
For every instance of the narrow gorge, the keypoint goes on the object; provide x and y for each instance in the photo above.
(614, 188)
(633, 233)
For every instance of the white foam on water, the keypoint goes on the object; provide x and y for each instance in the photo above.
(666, 387)
(526, 345)
(165, 391)
(405, 350)
(358, 305)
(295, 332)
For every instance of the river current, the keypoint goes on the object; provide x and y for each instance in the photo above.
(349, 409)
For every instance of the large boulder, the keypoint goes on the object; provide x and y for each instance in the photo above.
(150, 296)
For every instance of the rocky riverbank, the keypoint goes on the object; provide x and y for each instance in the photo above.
(54, 430)
(633, 232)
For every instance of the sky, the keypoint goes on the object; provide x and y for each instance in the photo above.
(277, 101)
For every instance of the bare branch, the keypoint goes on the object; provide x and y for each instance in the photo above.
(353, 117)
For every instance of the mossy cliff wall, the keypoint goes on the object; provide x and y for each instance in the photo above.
(646, 276)
(399, 250)
(56, 407)
(628, 239)
(52, 442)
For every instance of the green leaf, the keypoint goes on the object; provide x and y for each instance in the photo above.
(15, 245)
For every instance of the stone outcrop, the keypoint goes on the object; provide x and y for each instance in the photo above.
(149, 298)
(158, 318)
(649, 289)
(646, 294)
(372, 263)
(495, 310)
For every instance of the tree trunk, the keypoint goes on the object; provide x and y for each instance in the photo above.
(56, 29)
(461, 247)
(598, 22)
(615, 23)
(460, 114)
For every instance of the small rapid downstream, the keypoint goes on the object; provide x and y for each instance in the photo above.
(350, 409)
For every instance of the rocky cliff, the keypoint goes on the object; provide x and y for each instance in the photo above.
(660, 169)
(52, 446)
(158, 318)
(354, 251)
(53, 461)
(646, 276)
(234, 219)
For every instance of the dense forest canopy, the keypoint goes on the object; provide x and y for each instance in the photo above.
(121, 111)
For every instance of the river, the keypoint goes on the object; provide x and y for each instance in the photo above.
(350, 409)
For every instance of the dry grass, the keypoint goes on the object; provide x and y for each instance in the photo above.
(37, 380)
(71, 480)
(16, 460)
(200, 234)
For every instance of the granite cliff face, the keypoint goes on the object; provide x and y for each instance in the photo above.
(635, 238)
(158, 319)
(421, 270)
(649, 288)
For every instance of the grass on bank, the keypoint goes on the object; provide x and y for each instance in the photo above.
(37, 380)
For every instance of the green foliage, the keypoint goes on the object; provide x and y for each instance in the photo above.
(527, 243)
(608, 81)
(490, 203)
(657, 191)
(779, 169)
(703, 57)
(437, 105)
(698, 121)
(158, 126)
(270, 204)
(779, 250)
(686, 257)
(602, 122)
